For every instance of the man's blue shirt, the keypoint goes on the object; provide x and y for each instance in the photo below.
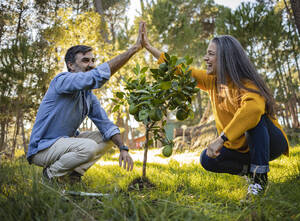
(67, 102)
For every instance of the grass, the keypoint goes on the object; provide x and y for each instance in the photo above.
(182, 192)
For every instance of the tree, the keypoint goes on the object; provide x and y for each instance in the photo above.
(296, 11)
(170, 87)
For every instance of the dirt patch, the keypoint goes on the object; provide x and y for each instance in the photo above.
(140, 183)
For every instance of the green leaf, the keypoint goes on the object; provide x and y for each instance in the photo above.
(173, 60)
(165, 85)
(143, 80)
(138, 68)
(167, 56)
(146, 98)
(142, 92)
(154, 71)
(144, 69)
(120, 94)
(157, 101)
(191, 114)
(163, 67)
(143, 114)
(116, 108)
(115, 100)
(180, 61)
(188, 59)
(135, 71)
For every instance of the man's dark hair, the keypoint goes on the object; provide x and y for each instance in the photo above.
(72, 51)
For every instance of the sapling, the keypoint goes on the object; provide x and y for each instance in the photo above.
(169, 87)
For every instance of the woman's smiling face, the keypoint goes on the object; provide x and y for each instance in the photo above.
(211, 59)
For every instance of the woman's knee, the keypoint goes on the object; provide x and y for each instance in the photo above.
(206, 161)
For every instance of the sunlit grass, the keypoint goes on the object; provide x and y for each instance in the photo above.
(183, 191)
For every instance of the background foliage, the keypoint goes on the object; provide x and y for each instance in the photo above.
(34, 36)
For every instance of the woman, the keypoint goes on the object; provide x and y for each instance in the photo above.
(243, 108)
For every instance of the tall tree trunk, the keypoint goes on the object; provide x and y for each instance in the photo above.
(23, 136)
(280, 81)
(2, 135)
(296, 11)
(283, 117)
(294, 51)
(99, 9)
(142, 7)
(19, 20)
(16, 133)
(113, 33)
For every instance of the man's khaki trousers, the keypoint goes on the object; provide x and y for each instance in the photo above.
(74, 153)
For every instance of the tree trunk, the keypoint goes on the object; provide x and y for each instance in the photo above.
(23, 136)
(99, 9)
(142, 7)
(296, 11)
(145, 153)
(18, 30)
(294, 50)
(2, 135)
(16, 133)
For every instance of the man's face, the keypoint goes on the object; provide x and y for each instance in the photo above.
(211, 59)
(83, 62)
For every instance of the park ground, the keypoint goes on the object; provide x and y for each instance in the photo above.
(183, 191)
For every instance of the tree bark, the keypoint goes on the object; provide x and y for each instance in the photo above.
(296, 11)
(99, 9)
(23, 136)
(19, 20)
(16, 133)
(145, 153)
(2, 135)
(142, 7)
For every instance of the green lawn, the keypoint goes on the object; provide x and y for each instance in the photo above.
(182, 192)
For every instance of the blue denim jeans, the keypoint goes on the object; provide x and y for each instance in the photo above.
(266, 143)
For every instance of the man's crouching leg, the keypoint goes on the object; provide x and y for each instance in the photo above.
(100, 149)
(72, 156)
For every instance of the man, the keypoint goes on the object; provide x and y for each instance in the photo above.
(55, 142)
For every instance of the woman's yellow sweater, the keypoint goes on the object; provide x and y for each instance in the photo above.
(235, 110)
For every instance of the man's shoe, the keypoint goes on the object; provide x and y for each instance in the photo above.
(74, 177)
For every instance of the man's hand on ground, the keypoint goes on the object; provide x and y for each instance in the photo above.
(127, 160)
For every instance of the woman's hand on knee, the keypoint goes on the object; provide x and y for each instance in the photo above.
(127, 160)
(213, 149)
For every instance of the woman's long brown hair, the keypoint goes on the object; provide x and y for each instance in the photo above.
(233, 62)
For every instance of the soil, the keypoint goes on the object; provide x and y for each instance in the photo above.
(140, 183)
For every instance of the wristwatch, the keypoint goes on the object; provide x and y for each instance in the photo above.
(124, 148)
(223, 136)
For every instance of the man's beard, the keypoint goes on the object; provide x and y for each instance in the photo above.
(88, 68)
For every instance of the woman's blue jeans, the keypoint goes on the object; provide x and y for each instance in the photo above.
(266, 143)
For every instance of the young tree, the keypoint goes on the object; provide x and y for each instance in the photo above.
(170, 87)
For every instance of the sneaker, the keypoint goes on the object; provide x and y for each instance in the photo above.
(255, 189)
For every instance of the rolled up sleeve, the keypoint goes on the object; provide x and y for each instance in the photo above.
(69, 82)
